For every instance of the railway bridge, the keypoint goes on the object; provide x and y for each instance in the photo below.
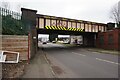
(52, 25)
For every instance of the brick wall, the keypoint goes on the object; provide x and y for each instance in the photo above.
(109, 39)
(17, 44)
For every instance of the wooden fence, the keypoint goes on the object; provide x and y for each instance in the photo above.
(17, 44)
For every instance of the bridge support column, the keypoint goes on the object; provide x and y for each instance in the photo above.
(29, 19)
(89, 40)
(52, 37)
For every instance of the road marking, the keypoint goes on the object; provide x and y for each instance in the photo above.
(78, 54)
(96, 52)
(107, 61)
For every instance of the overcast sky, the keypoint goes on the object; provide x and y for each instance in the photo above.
(89, 10)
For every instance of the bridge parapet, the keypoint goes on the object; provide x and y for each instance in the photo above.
(60, 23)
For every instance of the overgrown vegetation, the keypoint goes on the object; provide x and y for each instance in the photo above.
(11, 26)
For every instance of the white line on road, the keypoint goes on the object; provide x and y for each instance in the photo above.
(107, 61)
(78, 54)
(96, 52)
(98, 59)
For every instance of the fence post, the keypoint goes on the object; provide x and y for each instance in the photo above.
(28, 47)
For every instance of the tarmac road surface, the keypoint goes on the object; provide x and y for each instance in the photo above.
(76, 62)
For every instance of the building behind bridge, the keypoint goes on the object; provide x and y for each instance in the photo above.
(109, 39)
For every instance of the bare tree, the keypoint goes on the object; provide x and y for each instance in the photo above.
(115, 14)
(18, 8)
(5, 5)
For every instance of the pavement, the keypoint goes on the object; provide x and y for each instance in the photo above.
(38, 67)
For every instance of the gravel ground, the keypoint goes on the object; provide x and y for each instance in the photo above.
(13, 70)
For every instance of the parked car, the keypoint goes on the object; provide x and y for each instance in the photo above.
(53, 41)
(44, 42)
